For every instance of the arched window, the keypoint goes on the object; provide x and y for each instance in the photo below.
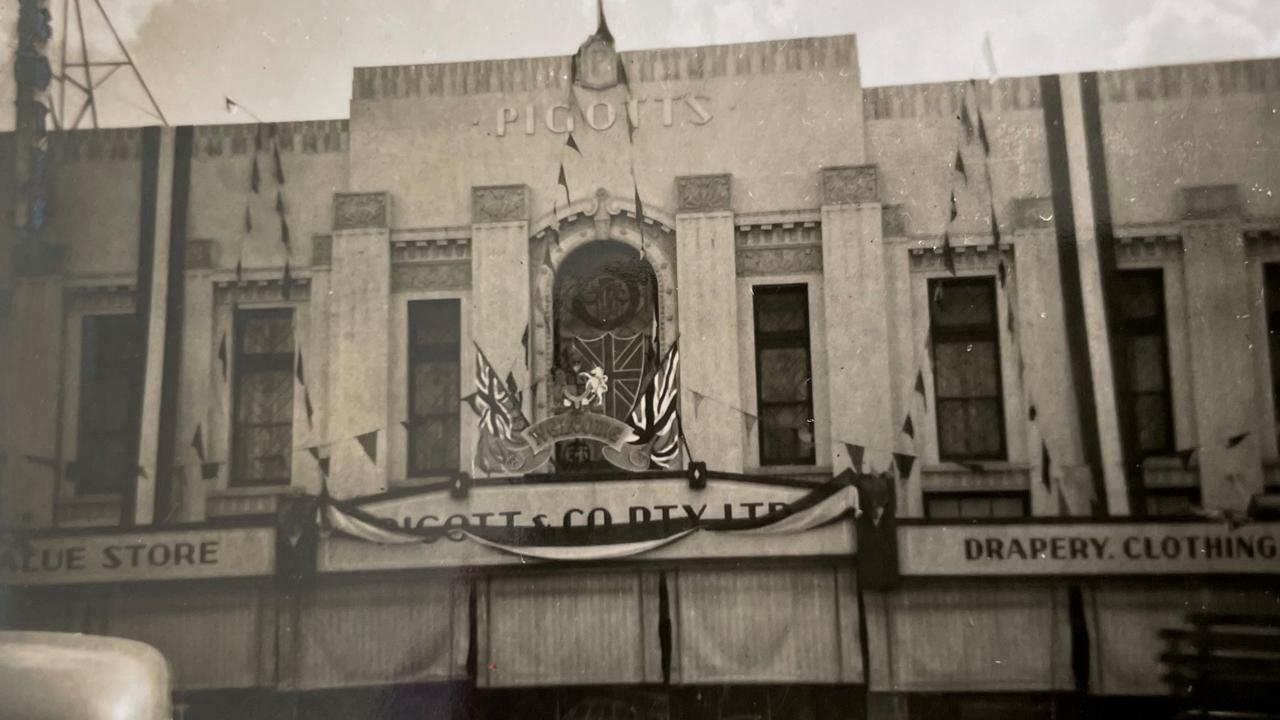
(605, 322)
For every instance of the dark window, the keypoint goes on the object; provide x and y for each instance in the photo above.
(783, 384)
(111, 365)
(966, 368)
(1271, 279)
(964, 505)
(434, 386)
(262, 444)
(1171, 501)
(1141, 298)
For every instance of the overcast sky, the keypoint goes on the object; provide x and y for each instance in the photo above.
(292, 59)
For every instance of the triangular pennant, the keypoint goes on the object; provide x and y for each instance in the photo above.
(602, 26)
(564, 182)
(197, 442)
(697, 400)
(904, 463)
(514, 389)
(948, 254)
(623, 80)
(248, 220)
(995, 228)
(279, 202)
(315, 452)
(257, 140)
(1235, 440)
(209, 470)
(1010, 321)
(524, 343)
(1031, 413)
(1184, 456)
(284, 232)
(306, 401)
(324, 465)
(1045, 477)
(639, 210)
(1003, 273)
(1064, 510)
(982, 136)
(222, 355)
(369, 443)
(297, 372)
(966, 122)
(254, 179)
(749, 421)
(239, 271)
(856, 453)
(909, 427)
(286, 281)
(275, 154)
(960, 168)
(919, 388)
(571, 143)
(955, 212)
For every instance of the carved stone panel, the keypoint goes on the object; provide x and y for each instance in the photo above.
(358, 211)
(1032, 213)
(703, 193)
(893, 221)
(779, 261)
(1211, 201)
(849, 184)
(199, 255)
(430, 276)
(499, 203)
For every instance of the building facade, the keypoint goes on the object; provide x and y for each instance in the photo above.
(386, 412)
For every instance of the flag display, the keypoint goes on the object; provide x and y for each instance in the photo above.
(654, 417)
(492, 400)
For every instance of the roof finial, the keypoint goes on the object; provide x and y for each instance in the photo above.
(602, 25)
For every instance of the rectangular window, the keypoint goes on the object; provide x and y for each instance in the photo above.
(262, 441)
(968, 396)
(783, 375)
(112, 355)
(1171, 501)
(1271, 282)
(967, 505)
(1141, 298)
(435, 337)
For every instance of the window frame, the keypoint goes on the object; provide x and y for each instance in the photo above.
(412, 356)
(131, 433)
(1023, 496)
(1138, 328)
(966, 334)
(259, 362)
(775, 341)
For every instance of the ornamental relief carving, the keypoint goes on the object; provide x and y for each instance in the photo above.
(262, 291)
(703, 193)
(499, 203)
(100, 298)
(779, 261)
(358, 211)
(849, 184)
(431, 276)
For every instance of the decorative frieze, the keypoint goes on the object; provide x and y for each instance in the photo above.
(307, 137)
(431, 276)
(849, 184)
(433, 250)
(784, 248)
(975, 478)
(262, 290)
(1137, 250)
(199, 254)
(1032, 213)
(102, 297)
(499, 203)
(985, 257)
(361, 211)
(1211, 201)
(703, 193)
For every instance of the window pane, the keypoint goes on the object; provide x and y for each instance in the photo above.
(266, 396)
(266, 332)
(434, 386)
(782, 311)
(785, 434)
(1007, 507)
(434, 445)
(1172, 502)
(1151, 414)
(262, 454)
(975, 507)
(262, 439)
(942, 508)
(966, 369)
(970, 428)
(110, 396)
(962, 303)
(1141, 295)
(784, 374)
(1147, 363)
(434, 322)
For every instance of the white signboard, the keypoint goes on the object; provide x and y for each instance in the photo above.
(1192, 548)
(137, 556)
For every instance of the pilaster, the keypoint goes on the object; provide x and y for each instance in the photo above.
(706, 283)
(500, 281)
(359, 292)
(200, 371)
(858, 343)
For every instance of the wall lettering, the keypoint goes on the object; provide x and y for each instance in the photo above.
(692, 109)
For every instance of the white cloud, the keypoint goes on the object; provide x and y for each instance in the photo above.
(1171, 30)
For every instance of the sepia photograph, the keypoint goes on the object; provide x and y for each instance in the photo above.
(639, 360)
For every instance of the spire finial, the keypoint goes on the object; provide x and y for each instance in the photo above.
(602, 25)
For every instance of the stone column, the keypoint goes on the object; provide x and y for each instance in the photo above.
(1224, 384)
(854, 270)
(359, 292)
(500, 285)
(200, 370)
(706, 294)
(144, 498)
(1042, 340)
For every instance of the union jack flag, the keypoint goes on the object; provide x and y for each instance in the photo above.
(492, 400)
(654, 417)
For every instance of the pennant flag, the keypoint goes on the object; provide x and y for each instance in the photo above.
(564, 182)
(955, 212)
(275, 154)
(284, 232)
(982, 136)
(142, 473)
(1045, 478)
(231, 105)
(298, 370)
(209, 470)
(222, 355)
(995, 228)
(42, 461)
(279, 202)
(514, 390)
(239, 271)
(369, 443)
(524, 343)
(1009, 321)
(948, 254)
(960, 168)
(750, 421)
(248, 220)
(655, 417)
(197, 442)
(1064, 510)
(257, 140)
(1235, 440)
(286, 281)
(254, 179)
(1031, 413)
(1002, 272)
(571, 143)
(966, 122)
(920, 388)
(315, 452)
(909, 428)
(1184, 456)
(697, 401)
(491, 401)
(306, 400)
(415, 420)
(855, 455)
(639, 210)
(904, 463)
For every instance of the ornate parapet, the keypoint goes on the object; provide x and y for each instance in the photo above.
(703, 193)
(848, 184)
(361, 211)
(499, 203)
